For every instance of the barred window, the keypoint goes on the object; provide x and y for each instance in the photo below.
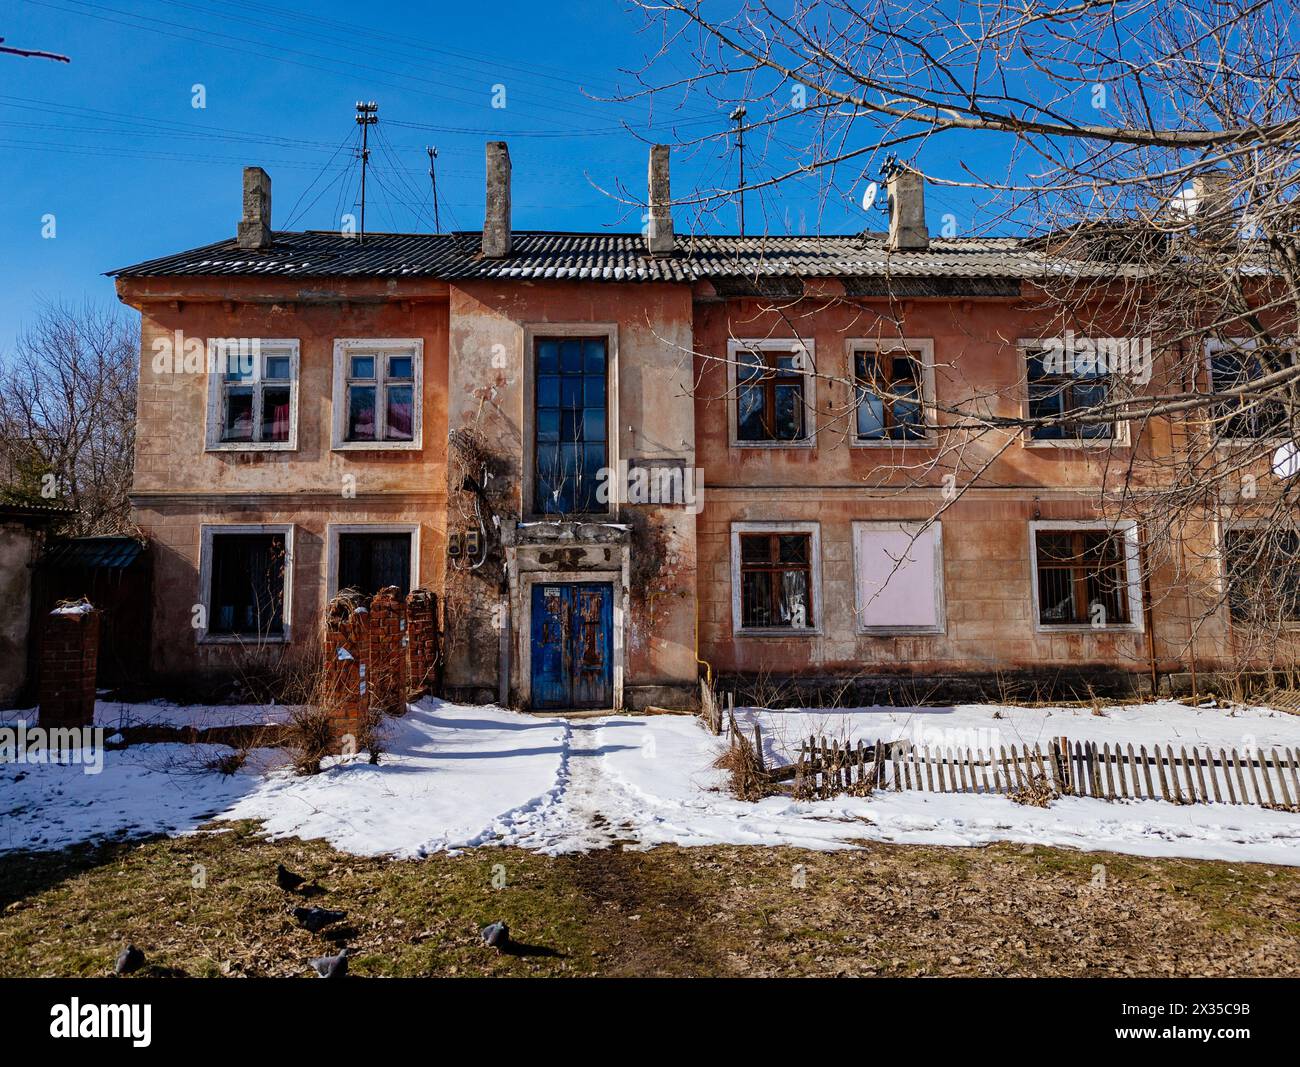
(776, 581)
(1262, 568)
(1082, 578)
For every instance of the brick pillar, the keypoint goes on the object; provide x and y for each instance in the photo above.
(69, 656)
(422, 637)
(388, 643)
(346, 697)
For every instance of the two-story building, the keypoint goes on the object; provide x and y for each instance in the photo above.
(619, 458)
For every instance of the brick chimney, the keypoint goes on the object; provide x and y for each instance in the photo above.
(254, 229)
(496, 219)
(907, 230)
(659, 226)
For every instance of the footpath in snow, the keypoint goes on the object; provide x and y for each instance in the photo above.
(455, 777)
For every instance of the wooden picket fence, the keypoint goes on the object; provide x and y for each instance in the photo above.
(1270, 779)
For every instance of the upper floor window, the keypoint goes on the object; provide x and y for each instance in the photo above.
(377, 393)
(253, 397)
(772, 383)
(890, 387)
(570, 419)
(1245, 416)
(1059, 387)
(1085, 575)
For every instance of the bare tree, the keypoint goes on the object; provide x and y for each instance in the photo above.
(67, 414)
(1151, 153)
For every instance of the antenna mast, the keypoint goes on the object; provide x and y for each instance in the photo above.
(367, 116)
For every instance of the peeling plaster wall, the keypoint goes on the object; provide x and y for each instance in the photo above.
(17, 552)
(655, 418)
(987, 580)
(179, 486)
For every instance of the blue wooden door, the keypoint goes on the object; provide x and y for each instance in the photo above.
(572, 645)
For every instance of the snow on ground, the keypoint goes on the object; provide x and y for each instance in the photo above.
(116, 715)
(455, 777)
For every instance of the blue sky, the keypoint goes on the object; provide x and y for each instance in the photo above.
(114, 149)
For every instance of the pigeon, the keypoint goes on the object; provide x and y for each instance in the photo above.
(316, 919)
(496, 935)
(286, 879)
(331, 966)
(128, 960)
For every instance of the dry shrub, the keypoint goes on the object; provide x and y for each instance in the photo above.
(227, 764)
(1037, 792)
(310, 738)
(746, 780)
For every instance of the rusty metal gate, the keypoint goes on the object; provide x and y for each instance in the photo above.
(572, 645)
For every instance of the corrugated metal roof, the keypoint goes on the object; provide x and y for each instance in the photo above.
(110, 552)
(612, 257)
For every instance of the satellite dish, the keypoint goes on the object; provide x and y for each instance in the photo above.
(869, 196)
(1286, 460)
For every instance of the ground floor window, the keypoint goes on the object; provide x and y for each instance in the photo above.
(776, 577)
(369, 562)
(247, 577)
(1262, 570)
(1084, 575)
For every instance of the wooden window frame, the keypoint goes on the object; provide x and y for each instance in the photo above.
(218, 350)
(206, 534)
(1119, 435)
(812, 530)
(381, 348)
(796, 346)
(1130, 560)
(920, 351)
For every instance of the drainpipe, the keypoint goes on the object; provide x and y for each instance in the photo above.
(503, 653)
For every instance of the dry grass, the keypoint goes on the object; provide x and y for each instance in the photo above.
(884, 910)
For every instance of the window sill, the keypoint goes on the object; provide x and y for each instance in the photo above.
(901, 631)
(781, 631)
(1244, 442)
(252, 640)
(1086, 628)
(252, 446)
(774, 444)
(871, 442)
(376, 446)
(1091, 445)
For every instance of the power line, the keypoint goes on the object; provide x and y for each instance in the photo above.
(367, 116)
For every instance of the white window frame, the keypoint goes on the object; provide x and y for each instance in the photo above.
(380, 348)
(793, 345)
(332, 531)
(1119, 437)
(1132, 573)
(279, 346)
(1214, 345)
(206, 534)
(922, 347)
(813, 529)
(912, 529)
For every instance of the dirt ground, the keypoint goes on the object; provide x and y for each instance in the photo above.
(208, 905)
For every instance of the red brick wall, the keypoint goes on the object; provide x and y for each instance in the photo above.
(69, 655)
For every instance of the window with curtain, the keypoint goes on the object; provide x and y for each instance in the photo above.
(255, 394)
(380, 396)
(246, 597)
(776, 581)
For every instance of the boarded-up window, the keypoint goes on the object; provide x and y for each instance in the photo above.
(899, 573)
